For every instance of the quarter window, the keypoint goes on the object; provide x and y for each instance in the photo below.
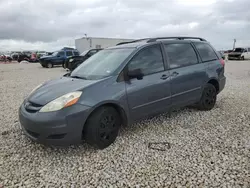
(149, 60)
(180, 55)
(206, 52)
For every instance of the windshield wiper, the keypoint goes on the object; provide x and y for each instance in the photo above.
(79, 77)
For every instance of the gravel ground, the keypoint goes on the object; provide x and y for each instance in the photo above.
(205, 149)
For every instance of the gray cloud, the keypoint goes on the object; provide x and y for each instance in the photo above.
(50, 22)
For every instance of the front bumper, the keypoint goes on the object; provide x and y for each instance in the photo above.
(234, 57)
(60, 128)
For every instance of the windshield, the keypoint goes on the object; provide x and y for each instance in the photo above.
(55, 53)
(238, 50)
(84, 53)
(102, 64)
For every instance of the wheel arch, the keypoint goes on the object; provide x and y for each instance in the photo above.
(121, 110)
(215, 83)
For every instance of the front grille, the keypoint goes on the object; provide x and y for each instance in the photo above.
(32, 107)
(238, 55)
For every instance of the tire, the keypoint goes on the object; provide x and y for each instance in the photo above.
(243, 58)
(49, 65)
(208, 98)
(102, 127)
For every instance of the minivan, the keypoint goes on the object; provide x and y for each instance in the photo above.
(120, 85)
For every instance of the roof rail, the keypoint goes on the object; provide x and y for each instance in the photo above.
(179, 38)
(139, 40)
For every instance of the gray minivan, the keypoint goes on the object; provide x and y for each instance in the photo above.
(121, 84)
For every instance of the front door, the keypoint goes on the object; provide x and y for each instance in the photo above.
(186, 73)
(151, 94)
(60, 58)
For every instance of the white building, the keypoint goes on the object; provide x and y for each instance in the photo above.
(87, 43)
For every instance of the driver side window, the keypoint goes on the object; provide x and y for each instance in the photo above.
(149, 60)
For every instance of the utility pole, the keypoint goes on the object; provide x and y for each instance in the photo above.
(234, 43)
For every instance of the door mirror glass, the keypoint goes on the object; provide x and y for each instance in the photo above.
(136, 73)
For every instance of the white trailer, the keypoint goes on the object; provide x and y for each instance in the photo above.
(87, 43)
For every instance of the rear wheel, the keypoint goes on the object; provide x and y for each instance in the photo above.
(208, 99)
(102, 127)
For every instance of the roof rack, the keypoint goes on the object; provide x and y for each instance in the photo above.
(178, 38)
(148, 40)
(133, 41)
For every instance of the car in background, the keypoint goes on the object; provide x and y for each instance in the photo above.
(5, 58)
(23, 57)
(121, 85)
(74, 61)
(58, 57)
(237, 54)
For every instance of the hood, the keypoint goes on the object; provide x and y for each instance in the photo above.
(58, 87)
(46, 56)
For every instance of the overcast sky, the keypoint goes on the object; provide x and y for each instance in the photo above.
(52, 24)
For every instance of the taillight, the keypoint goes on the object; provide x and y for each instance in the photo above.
(222, 62)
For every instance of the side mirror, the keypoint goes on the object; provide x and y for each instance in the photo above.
(137, 73)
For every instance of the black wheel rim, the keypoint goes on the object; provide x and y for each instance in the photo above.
(210, 97)
(108, 128)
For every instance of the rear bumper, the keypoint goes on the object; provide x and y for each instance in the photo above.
(61, 128)
(222, 83)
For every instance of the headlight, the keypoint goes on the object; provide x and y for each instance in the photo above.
(71, 60)
(62, 102)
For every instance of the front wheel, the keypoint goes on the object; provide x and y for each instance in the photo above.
(49, 65)
(208, 99)
(243, 58)
(102, 127)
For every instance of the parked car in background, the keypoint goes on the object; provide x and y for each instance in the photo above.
(74, 61)
(120, 85)
(5, 58)
(58, 57)
(33, 58)
(15, 55)
(23, 57)
(236, 54)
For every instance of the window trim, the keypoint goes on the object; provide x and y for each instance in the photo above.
(167, 56)
(162, 54)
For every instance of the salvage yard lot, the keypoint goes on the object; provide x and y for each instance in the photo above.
(205, 148)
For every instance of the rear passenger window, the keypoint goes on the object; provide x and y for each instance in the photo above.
(206, 52)
(180, 55)
(149, 60)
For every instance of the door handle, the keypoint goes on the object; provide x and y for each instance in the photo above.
(174, 74)
(164, 77)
